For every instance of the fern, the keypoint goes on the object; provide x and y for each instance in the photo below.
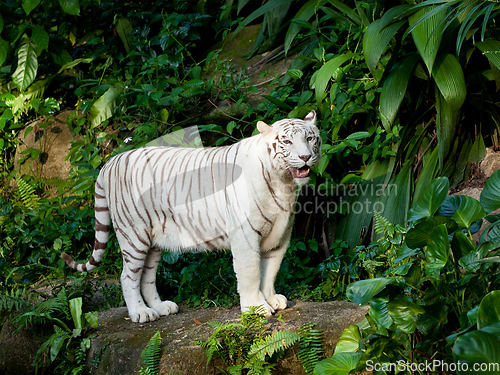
(26, 194)
(151, 356)
(310, 347)
(47, 310)
(16, 300)
(278, 341)
(382, 225)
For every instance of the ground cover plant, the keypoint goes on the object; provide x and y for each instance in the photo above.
(393, 112)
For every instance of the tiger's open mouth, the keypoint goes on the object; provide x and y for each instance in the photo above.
(302, 172)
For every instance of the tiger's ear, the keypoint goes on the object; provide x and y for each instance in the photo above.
(311, 117)
(263, 128)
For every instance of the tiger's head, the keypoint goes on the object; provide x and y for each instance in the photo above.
(293, 145)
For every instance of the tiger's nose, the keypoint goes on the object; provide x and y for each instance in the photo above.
(305, 157)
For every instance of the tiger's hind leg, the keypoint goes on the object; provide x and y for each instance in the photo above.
(134, 258)
(148, 285)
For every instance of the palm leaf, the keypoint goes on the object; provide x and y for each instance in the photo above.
(427, 33)
(450, 80)
(491, 49)
(394, 89)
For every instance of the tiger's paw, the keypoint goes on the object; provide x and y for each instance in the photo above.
(143, 314)
(167, 308)
(277, 302)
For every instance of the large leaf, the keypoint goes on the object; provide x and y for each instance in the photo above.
(394, 89)
(4, 49)
(427, 33)
(124, 30)
(430, 199)
(340, 364)
(349, 340)
(434, 317)
(490, 196)
(464, 210)
(360, 292)
(378, 311)
(489, 310)
(418, 236)
(326, 72)
(477, 347)
(375, 41)
(29, 5)
(27, 66)
(491, 49)
(403, 312)
(447, 119)
(438, 250)
(450, 80)
(103, 107)
(70, 6)
(40, 37)
(268, 6)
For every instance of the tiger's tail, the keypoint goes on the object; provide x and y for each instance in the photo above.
(102, 222)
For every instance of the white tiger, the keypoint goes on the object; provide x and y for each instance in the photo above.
(186, 199)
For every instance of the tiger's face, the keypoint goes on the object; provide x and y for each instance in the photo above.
(294, 146)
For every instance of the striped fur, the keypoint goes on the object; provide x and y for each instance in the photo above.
(239, 197)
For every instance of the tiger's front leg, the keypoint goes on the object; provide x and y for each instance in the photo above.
(269, 266)
(246, 263)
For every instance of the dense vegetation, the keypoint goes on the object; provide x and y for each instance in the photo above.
(406, 94)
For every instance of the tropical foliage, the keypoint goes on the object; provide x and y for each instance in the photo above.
(406, 93)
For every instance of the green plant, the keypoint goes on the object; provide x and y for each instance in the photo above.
(151, 355)
(245, 348)
(426, 282)
(61, 312)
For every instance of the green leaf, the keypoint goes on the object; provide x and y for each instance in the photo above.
(1, 23)
(378, 311)
(402, 312)
(427, 33)
(348, 340)
(29, 5)
(375, 41)
(57, 339)
(268, 6)
(103, 107)
(40, 37)
(358, 135)
(304, 14)
(450, 80)
(464, 210)
(431, 321)
(360, 292)
(75, 306)
(91, 317)
(70, 6)
(491, 49)
(4, 49)
(430, 199)
(418, 236)
(489, 310)
(477, 347)
(277, 102)
(27, 66)
(326, 72)
(124, 30)
(295, 73)
(74, 63)
(447, 119)
(339, 364)
(438, 250)
(490, 196)
(394, 89)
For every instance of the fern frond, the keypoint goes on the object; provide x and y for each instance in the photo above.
(278, 341)
(45, 311)
(310, 347)
(382, 226)
(151, 355)
(16, 300)
(26, 194)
